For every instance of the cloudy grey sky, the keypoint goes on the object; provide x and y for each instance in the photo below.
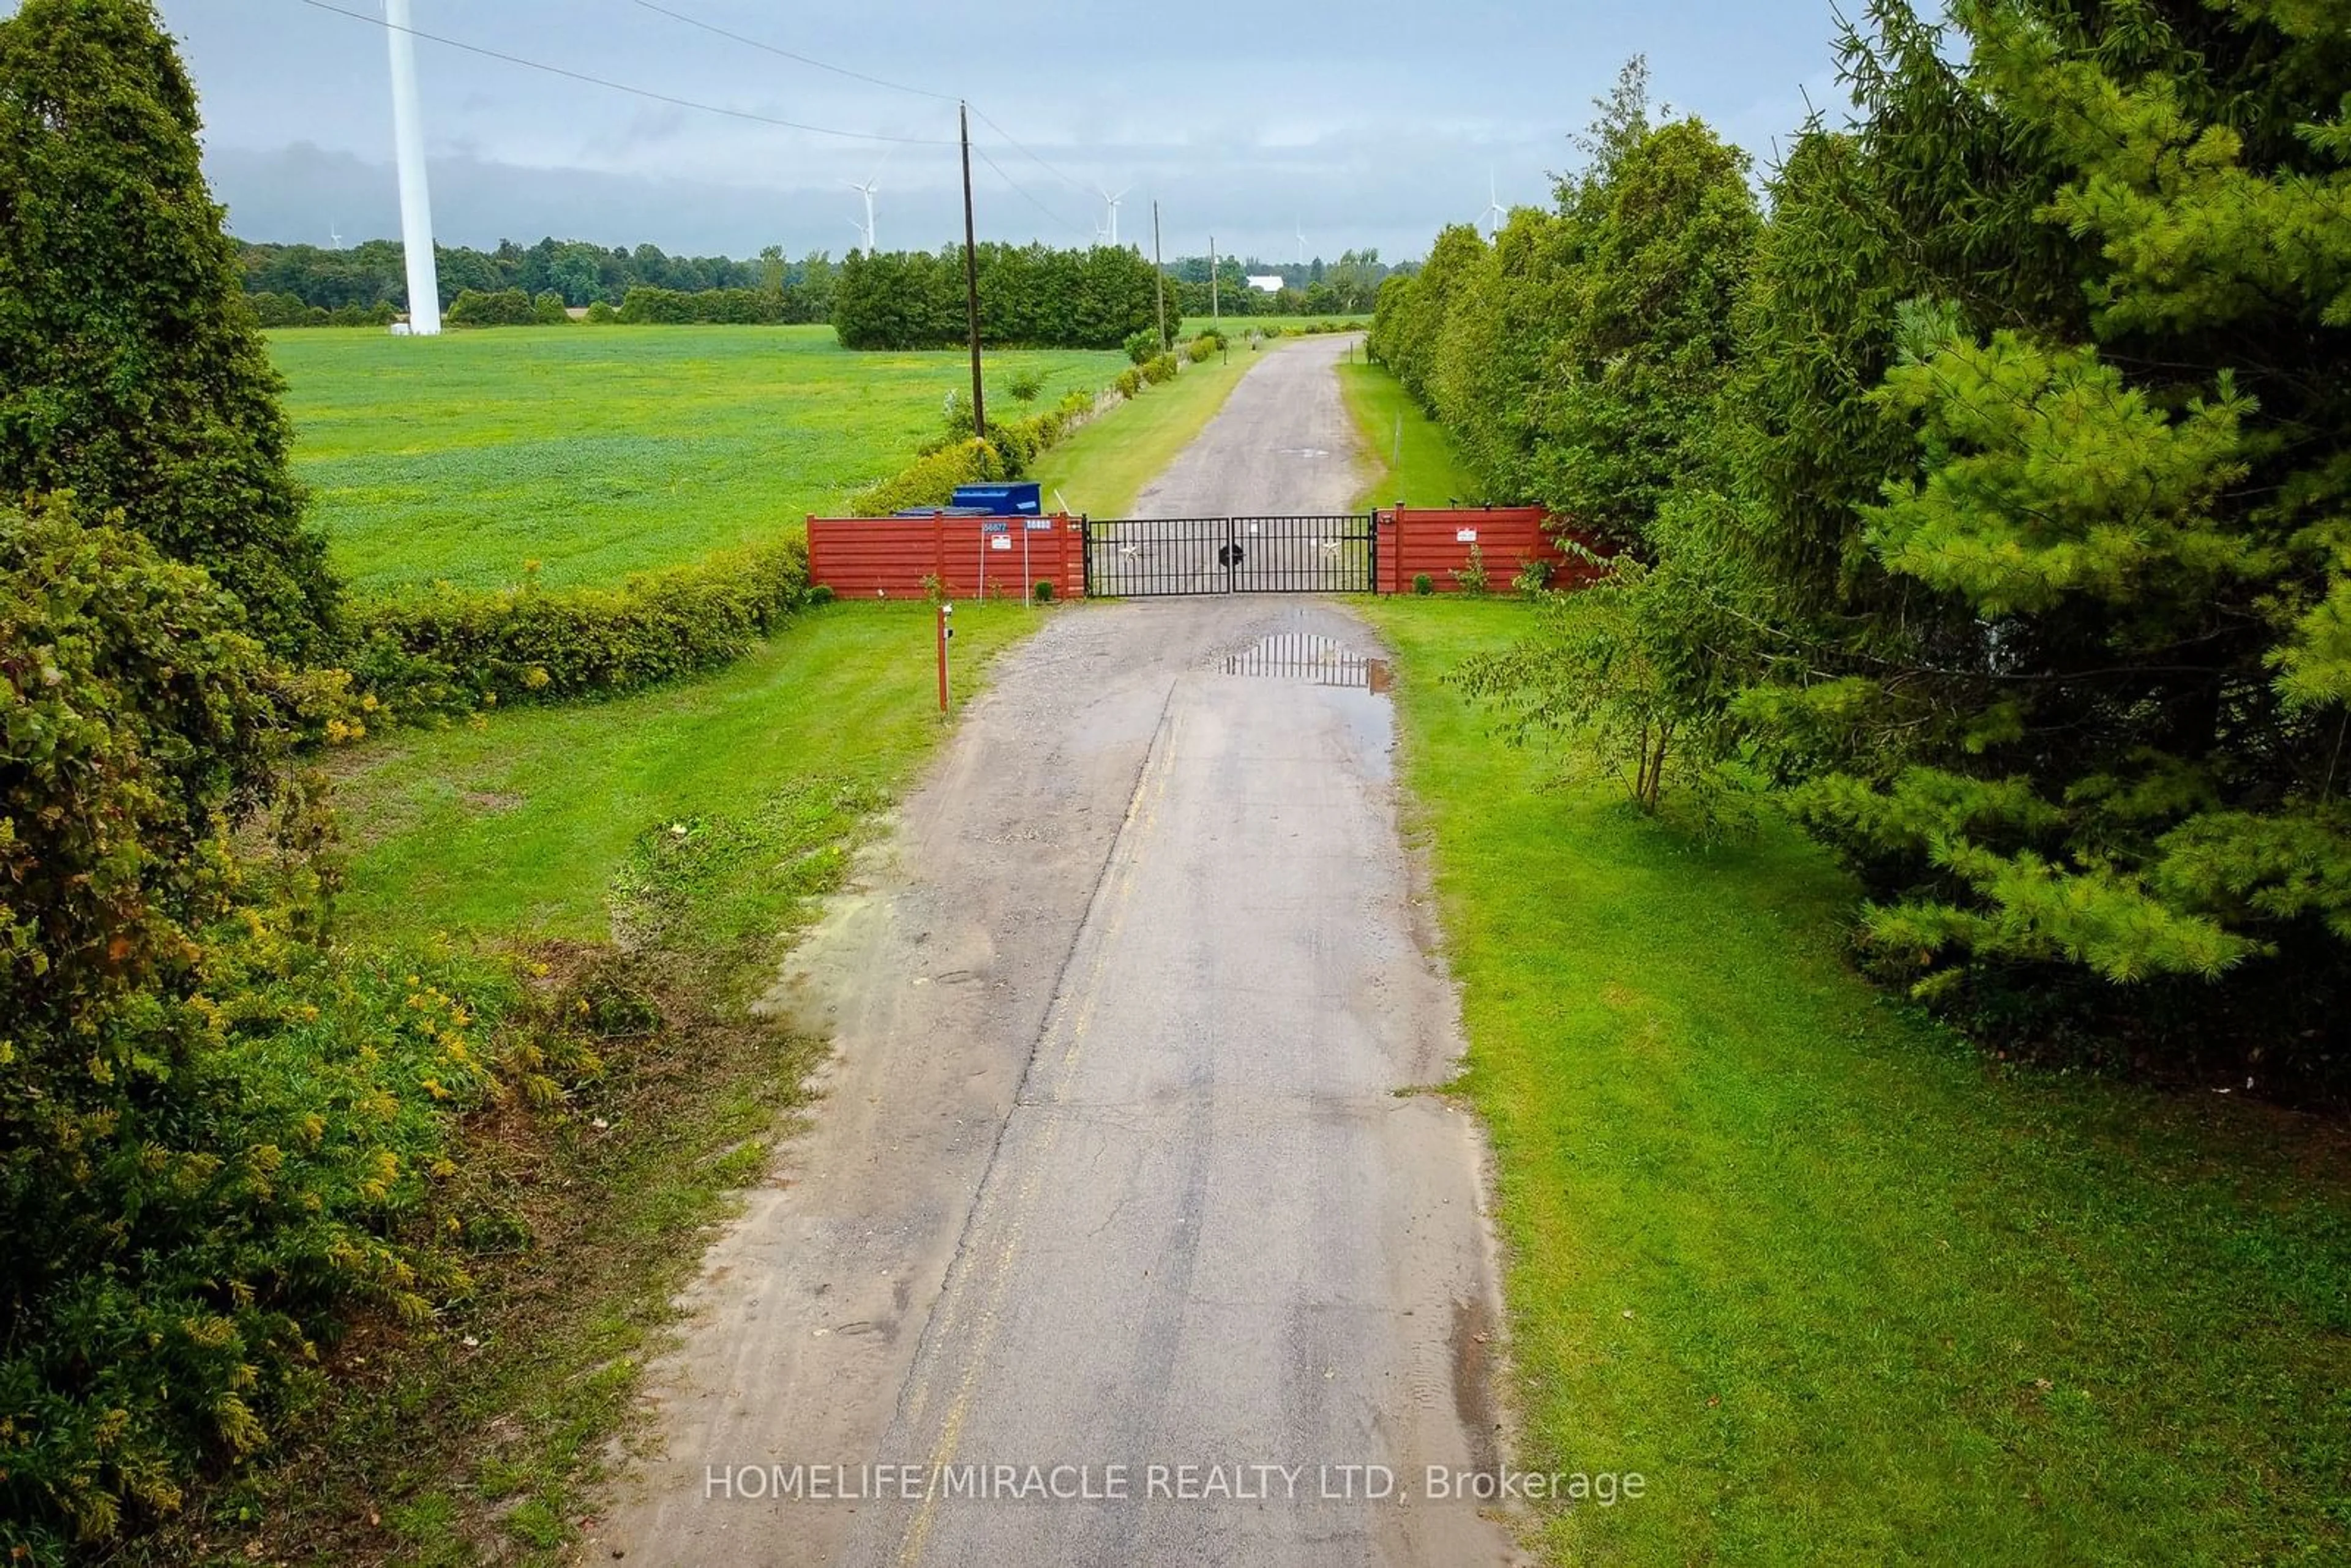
(1368, 124)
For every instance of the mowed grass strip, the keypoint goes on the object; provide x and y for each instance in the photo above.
(1841, 1288)
(1101, 469)
(517, 829)
(1413, 460)
(603, 451)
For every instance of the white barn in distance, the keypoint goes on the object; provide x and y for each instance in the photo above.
(1266, 283)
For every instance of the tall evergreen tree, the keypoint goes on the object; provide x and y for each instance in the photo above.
(2075, 707)
(132, 372)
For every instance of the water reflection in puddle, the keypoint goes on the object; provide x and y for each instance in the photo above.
(1306, 656)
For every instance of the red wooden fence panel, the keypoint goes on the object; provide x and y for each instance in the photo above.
(1437, 541)
(890, 557)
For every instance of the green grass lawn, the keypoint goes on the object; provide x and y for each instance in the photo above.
(603, 451)
(1414, 460)
(1101, 469)
(519, 828)
(1841, 1290)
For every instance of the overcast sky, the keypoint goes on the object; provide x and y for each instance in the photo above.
(1367, 124)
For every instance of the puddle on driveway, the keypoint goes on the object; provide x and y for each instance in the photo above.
(1310, 657)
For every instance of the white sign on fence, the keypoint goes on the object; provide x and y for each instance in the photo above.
(1466, 536)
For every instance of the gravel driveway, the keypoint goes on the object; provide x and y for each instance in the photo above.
(1118, 1167)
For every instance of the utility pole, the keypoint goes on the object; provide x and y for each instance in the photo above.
(971, 280)
(1215, 316)
(1158, 276)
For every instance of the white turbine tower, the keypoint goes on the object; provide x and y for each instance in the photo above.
(415, 197)
(865, 190)
(1111, 204)
(1495, 212)
(1302, 244)
(334, 235)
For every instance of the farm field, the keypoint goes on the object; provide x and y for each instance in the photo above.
(1840, 1286)
(599, 452)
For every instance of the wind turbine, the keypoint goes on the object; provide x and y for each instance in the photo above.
(1302, 244)
(1111, 203)
(334, 238)
(865, 231)
(1495, 212)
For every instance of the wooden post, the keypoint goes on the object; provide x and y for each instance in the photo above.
(1158, 276)
(946, 629)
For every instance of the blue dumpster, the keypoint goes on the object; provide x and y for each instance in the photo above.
(947, 512)
(1013, 500)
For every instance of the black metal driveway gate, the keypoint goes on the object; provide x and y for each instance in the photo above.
(1135, 556)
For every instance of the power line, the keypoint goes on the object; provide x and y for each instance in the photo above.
(1040, 161)
(984, 116)
(633, 92)
(1018, 191)
(790, 54)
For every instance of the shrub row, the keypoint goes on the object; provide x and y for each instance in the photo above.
(445, 651)
(930, 480)
(287, 310)
(706, 306)
(1011, 447)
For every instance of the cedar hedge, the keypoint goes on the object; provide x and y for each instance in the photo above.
(441, 650)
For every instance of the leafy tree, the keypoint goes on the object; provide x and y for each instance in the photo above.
(131, 370)
(1580, 353)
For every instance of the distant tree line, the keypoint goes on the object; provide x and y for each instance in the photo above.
(371, 274)
(1347, 287)
(1029, 295)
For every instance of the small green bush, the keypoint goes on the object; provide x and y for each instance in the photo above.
(930, 480)
(547, 309)
(1472, 575)
(1140, 346)
(1043, 592)
(1026, 386)
(503, 308)
(601, 312)
(1129, 382)
(1021, 441)
(1423, 583)
(442, 651)
(1201, 351)
(1161, 369)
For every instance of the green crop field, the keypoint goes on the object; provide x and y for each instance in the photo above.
(603, 451)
